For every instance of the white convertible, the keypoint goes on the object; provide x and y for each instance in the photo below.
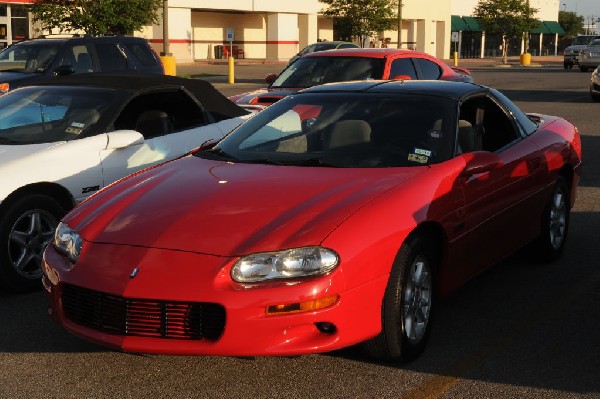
(61, 142)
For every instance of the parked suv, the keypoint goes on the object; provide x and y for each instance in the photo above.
(571, 56)
(38, 60)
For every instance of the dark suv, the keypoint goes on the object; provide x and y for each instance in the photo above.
(39, 60)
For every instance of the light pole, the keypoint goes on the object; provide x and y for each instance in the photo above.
(166, 28)
(399, 23)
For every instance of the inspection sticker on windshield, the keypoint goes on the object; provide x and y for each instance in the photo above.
(77, 124)
(418, 158)
(73, 130)
(421, 151)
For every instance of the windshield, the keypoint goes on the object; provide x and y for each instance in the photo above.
(582, 40)
(28, 58)
(311, 71)
(594, 43)
(49, 114)
(349, 130)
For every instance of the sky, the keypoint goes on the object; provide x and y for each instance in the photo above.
(587, 8)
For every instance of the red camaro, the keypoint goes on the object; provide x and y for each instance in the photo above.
(351, 64)
(335, 217)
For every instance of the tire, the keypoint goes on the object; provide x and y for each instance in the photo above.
(25, 230)
(550, 244)
(595, 97)
(409, 298)
(583, 68)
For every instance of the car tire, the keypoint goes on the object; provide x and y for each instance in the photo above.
(567, 65)
(583, 68)
(409, 298)
(27, 227)
(595, 97)
(550, 244)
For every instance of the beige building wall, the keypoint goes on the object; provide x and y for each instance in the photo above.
(547, 9)
(277, 29)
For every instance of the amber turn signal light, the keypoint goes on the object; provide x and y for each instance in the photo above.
(315, 304)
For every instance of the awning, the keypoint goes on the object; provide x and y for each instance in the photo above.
(458, 24)
(541, 28)
(554, 27)
(472, 24)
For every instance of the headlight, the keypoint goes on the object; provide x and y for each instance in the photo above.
(68, 242)
(290, 263)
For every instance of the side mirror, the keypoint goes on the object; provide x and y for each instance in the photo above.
(123, 138)
(271, 78)
(480, 162)
(64, 70)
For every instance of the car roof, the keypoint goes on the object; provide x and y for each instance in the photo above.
(75, 38)
(442, 88)
(362, 52)
(215, 102)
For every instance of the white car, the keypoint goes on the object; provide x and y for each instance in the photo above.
(63, 141)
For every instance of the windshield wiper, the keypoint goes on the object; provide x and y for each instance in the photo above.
(4, 140)
(216, 154)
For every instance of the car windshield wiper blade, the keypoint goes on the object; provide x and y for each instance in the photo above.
(4, 140)
(216, 154)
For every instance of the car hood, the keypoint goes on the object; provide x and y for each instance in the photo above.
(263, 97)
(230, 209)
(8, 77)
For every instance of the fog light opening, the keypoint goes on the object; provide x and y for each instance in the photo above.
(326, 327)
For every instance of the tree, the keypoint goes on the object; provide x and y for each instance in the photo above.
(360, 19)
(571, 23)
(507, 18)
(96, 17)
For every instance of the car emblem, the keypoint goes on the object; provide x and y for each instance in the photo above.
(134, 272)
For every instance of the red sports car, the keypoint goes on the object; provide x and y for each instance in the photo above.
(351, 64)
(335, 217)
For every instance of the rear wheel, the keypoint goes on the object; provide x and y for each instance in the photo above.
(25, 230)
(550, 244)
(407, 304)
(595, 97)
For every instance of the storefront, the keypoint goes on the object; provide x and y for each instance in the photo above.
(14, 21)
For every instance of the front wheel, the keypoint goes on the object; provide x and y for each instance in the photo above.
(25, 230)
(407, 304)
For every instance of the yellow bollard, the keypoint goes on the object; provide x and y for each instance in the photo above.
(231, 77)
(456, 58)
(525, 59)
(169, 65)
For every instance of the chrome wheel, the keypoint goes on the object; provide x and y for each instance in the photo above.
(416, 299)
(27, 240)
(557, 218)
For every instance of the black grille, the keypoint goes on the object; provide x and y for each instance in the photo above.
(142, 317)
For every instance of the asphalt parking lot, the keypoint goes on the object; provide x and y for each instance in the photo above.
(520, 330)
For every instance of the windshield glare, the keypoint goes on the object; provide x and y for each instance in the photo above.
(311, 71)
(28, 58)
(46, 115)
(352, 130)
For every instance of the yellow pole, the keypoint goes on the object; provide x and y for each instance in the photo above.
(456, 58)
(231, 75)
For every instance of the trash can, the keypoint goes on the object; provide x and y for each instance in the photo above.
(218, 52)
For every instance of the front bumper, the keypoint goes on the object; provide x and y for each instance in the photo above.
(248, 331)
